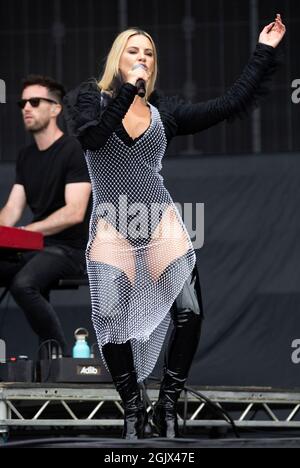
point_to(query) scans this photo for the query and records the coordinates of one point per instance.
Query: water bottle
(81, 348)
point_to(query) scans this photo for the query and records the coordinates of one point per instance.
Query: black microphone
(140, 83)
(141, 87)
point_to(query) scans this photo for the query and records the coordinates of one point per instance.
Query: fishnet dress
(139, 252)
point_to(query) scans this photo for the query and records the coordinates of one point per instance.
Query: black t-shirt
(44, 175)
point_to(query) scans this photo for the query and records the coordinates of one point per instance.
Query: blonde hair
(111, 69)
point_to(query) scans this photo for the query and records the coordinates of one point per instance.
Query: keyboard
(20, 240)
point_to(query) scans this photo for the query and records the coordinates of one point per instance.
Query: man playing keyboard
(52, 179)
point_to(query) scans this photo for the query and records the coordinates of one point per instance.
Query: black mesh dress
(139, 252)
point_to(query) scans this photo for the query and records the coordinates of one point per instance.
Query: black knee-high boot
(187, 314)
(118, 357)
(120, 363)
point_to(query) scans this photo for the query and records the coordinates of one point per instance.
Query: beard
(34, 126)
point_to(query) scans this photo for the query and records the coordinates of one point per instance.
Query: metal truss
(58, 405)
(257, 407)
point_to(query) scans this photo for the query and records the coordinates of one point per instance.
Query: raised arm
(242, 96)
(14, 207)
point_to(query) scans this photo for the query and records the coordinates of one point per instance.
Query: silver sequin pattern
(139, 252)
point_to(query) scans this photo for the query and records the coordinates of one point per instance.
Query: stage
(52, 414)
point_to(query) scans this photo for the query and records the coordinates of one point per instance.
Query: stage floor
(158, 445)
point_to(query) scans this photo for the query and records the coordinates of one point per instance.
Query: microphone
(140, 83)
(141, 87)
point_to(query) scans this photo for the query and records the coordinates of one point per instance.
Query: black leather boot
(187, 314)
(165, 410)
(135, 414)
(120, 363)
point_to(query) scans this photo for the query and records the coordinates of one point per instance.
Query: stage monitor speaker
(81, 370)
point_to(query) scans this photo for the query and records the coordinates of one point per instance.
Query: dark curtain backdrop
(249, 268)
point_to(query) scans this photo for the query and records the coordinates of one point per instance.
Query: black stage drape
(249, 266)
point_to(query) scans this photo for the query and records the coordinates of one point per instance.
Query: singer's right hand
(138, 71)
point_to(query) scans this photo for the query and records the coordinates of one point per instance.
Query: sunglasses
(34, 102)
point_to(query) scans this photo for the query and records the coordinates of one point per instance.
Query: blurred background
(247, 173)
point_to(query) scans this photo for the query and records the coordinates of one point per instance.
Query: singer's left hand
(273, 33)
